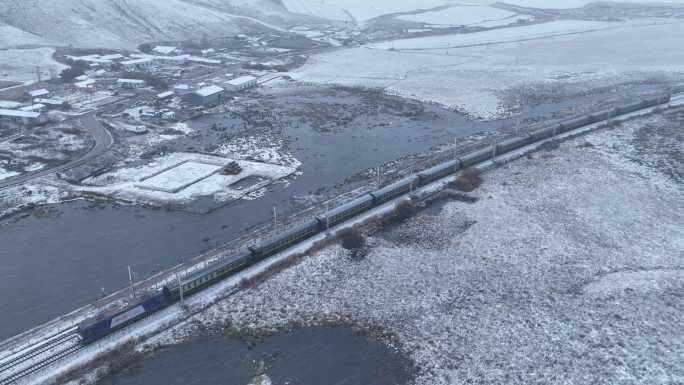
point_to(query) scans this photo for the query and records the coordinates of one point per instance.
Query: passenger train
(92, 330)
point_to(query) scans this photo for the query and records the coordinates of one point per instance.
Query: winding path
(103, 141)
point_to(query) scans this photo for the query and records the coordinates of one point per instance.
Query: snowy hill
(127, 23)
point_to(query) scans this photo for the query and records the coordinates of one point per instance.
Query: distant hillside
(127, 23)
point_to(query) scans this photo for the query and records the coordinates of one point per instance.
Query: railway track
(17, 365)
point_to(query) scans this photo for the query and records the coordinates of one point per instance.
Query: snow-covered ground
(362, 11)
(466, 16)
(567, 269)
(568, 4)
(475, 80)
(124, 25)
(21, 64)
(4, 174)
(12, 37)
(499, 36)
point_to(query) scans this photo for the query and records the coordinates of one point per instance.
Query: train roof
(242, 253)
(288, 233)
(345, 207)
(395, 185)
(441, 166)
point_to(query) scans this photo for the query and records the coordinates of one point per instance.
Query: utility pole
(130, 279)
(410, 183)
(180, 287)
(378, 176)
(327, 217)
(275, 218)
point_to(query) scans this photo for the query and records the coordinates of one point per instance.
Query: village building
(23, 117)
(206, 96)
(42, 93)
(137, 64)
(115, 56)
(88, 83)
(10, 105)
(131, 83)
(240, 84)
(165, 95)
(182, 89)
(39, 107)
(165, 50)
(50, 103)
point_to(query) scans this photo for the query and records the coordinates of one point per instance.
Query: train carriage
(283, 240)
(439, 171)
(214, 273)
(395, 189)
(477, 157)
(511, 144)
(346, 211)
(573, 124)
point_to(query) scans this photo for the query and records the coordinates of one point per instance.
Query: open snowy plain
(487, 67)
(566, 270)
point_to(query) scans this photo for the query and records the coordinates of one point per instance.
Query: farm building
(165, 49)
(39, 107)
(131, 83)
(24, 117)
(9, 105)
(88, 83)
(42, 93)
(137, 64)
(207, 96)
(51, 103)
(241, 83)
(182, 89)
(165, 95)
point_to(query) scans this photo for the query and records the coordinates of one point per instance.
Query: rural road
(103, 141)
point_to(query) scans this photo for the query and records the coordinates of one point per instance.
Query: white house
(241, 83)
(39, 107)
(137, 64)
(88, 83)
(210, 95)
(42, 93)
(131, 83)
(164, 49)
(9, 105)
(182, 89)
(50, 103)
(25, 117)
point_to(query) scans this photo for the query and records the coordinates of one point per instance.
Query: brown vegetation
(468, 180)
(351, 239)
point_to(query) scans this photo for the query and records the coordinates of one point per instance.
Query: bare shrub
(468, 180)
(404, 210)
(550, 145)
(351, 239)
(232, 168)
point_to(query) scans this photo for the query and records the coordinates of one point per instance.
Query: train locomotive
(92, 330)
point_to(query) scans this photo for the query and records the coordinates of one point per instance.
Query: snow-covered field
(4, 174)
(476, 80)
(466, 16)
(20, 64)
(361, 11)
(12, 37)
(499, 36)
(546, 279)
(124, 25)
